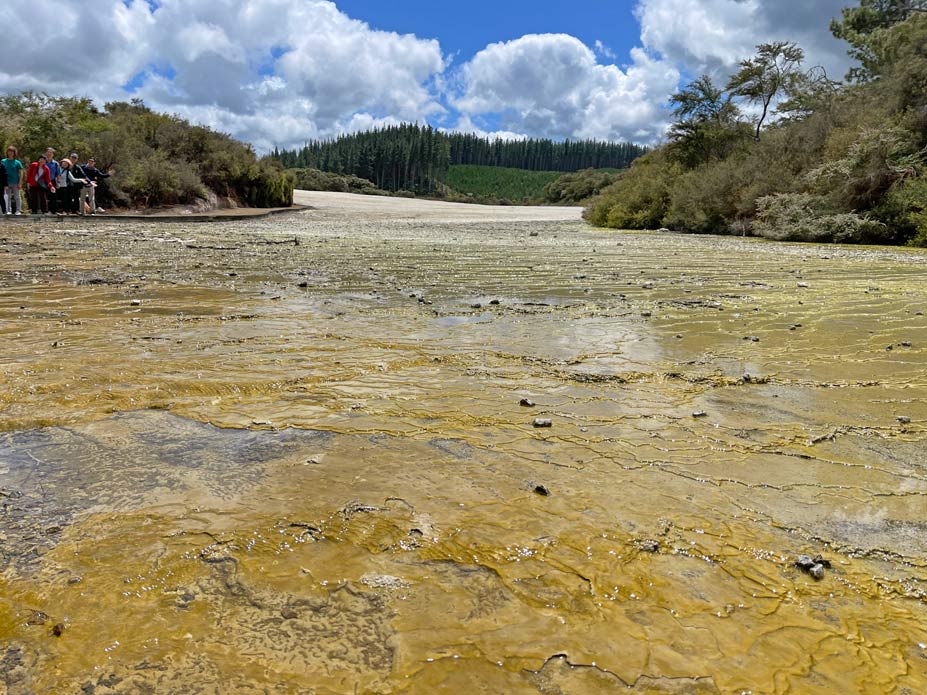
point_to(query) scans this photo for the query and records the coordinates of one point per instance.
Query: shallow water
(234, 463)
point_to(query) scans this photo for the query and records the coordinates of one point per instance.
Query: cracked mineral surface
(291, 456)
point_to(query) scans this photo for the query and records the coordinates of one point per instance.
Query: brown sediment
(256, 467)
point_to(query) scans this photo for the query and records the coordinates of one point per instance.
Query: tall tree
(707, 123)
(773, 72)
(857, 26)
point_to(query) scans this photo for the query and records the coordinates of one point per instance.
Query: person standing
(39, 182)
(54, 171)
(94, 175)
(81, 185)
(65, 184)
(12, 181)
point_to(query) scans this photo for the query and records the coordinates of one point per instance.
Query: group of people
(55, 188)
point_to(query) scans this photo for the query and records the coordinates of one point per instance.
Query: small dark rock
(646, 314)
(533, 234)
(542, 490)
(817, 571)
(699, 413)
(648, 545)
(495, 302)
(288, 613)
(905, 343)
(543, 422)
(526, 403)
(889, 348)
(304, 284)
(74, 580)
(58, 629)
(476, 305)
(903, 419)
(805, 562)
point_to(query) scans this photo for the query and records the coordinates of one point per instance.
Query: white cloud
(714, 35)
(552, 85)
(604, 51)
(267, 71)
(278, 72)
(465, 124)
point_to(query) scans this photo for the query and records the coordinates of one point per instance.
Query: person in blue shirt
(54, 170)
(12, 181)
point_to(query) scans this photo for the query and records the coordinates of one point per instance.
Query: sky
(277, 73)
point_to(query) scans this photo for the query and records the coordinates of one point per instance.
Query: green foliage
(707, 126)
(315, 180)
(864, 26)
(773, 71)
(578, 187)
(640, 197)
(906, 207)
(497, 184)
(157, 159)
(803, 217)
(845, 163)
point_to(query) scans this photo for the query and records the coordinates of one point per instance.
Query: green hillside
(499, 184)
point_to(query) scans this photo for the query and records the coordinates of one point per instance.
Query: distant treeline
(542, 155)
(417, 158)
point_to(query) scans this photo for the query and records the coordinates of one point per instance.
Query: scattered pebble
(803, 284)
(648, 545)
(542, 490)
(526, 403)
(495, 302)
(646, 314)
(288, 613)
(543, 422)
(699, 413)
(814, 566)
(136, 302)
(903, 419)
(58, 629)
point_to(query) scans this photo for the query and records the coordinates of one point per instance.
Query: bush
(640, 198)
(316, 180)
(799, 217)
(576, 188)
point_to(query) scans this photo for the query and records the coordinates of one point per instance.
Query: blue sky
(465, 28)
(280, 72)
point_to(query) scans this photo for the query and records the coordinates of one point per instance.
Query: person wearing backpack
(12, 181)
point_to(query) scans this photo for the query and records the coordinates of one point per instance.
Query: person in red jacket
(38, 178)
